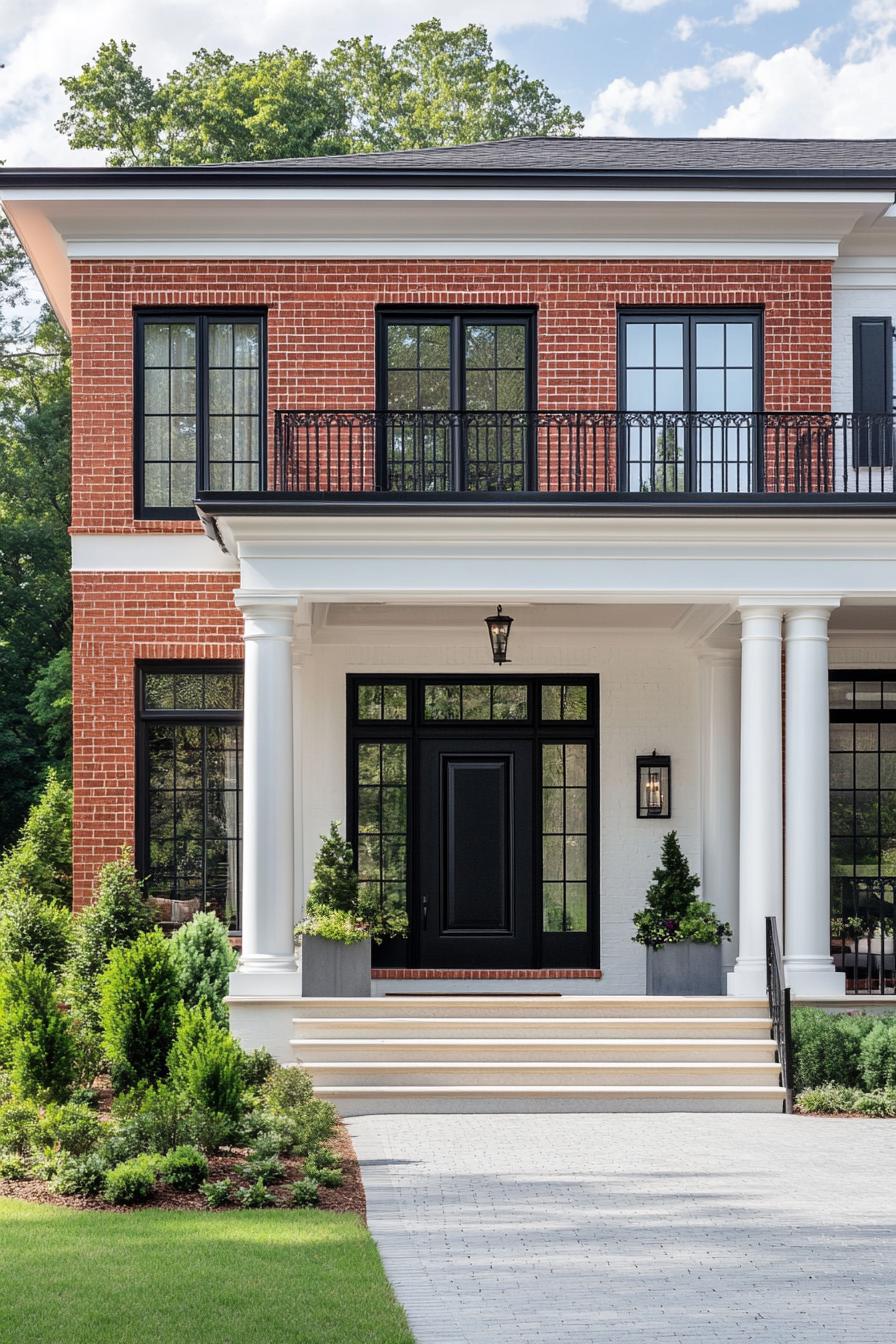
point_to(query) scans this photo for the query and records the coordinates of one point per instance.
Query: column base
(747, 980)
(265, 981)
(814, 978)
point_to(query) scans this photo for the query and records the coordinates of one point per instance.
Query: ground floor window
(863, 829)
(473, 806)
(189, 788)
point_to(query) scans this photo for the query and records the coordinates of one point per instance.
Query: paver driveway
(635, 1227)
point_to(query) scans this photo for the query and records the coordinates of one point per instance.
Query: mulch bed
(348, 1198)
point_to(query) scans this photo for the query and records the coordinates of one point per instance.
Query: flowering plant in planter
(673, 913)
(336, 909)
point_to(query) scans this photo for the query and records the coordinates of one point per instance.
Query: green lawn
(157, 1277)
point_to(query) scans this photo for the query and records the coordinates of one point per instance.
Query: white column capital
(807, 622)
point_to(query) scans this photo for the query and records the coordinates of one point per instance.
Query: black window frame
(456, 316)
(144, 717)
(202, 316)
(689, 315)
(551, 949)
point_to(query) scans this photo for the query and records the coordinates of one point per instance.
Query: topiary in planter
(673, 913)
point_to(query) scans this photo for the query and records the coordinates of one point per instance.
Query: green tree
(115, 917)
(433, 87)
(440, 87)
(35, 1042)
(41, 858)
(139, 994)
(35, 596)
(204, 959)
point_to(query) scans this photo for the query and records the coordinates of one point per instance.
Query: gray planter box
(684, 968)
(334, 970)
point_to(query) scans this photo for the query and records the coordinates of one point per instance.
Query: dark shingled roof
(530, 161)
(604, 154)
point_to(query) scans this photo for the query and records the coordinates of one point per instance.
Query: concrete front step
(312, 1052)
(509, 1100)
(543, 1006)
(540, 1073)
(528, 1028)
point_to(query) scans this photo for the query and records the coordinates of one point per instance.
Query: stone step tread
(536, 1042)
(558, 1089)
(586, 1000)
(429, 1019)
(383, 1066)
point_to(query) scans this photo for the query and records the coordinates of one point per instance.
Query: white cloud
(685, 28)
(617, 109)
(638, 6)
(46, 39)
(751, 10)
(796, 93)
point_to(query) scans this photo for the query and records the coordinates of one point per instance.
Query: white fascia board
(149, 553)
(46, 250)
(565, 559)
(297, 248)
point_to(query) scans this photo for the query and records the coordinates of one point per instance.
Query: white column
(807, 846)
(761, 794)
(267, 964)
(720, 786)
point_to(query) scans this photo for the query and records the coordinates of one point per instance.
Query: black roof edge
(264, 175)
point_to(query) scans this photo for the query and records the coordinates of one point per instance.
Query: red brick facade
(321, 354)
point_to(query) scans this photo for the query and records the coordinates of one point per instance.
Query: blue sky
(639, 67)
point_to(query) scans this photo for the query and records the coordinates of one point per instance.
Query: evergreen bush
(673, 911)
(313, 1125)
(827, 1047)
(71, 1128)
(41, 858)
(204, 959)
(255, 1196)
(131, 1182)
(19, 1126)
(304, 1194)
(185, 1168)
(139, 993)
(878, 1055)
(29, 924)
(118, 914)
(215, 1193)
(80, 1175)
(258, 1065)
(286, 1089)
(35, 1041)
(207, 1064)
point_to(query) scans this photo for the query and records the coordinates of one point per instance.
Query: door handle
(425, 910)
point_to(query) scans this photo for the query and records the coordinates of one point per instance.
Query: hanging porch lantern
(654, 786)
(499, 633)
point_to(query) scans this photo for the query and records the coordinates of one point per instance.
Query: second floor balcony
(700, 460)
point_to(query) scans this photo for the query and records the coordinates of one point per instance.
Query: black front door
(476, 827)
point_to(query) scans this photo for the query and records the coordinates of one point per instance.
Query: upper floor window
(456, 387)
(199, 406)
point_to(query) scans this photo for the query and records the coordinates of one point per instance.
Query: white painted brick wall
(857, 293)
(648, 699)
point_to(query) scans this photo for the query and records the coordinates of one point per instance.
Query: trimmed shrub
(304, 1194)
(834, 1099)
(255, 1196)
(13, 1167)
(878, 1054)
(211, 1129)
(313, 1125)
(215, 1193)
(325, 1157)
(19, 1125)
(155, 1119)
(30, 924)
(41, 858)
(258, 1065)
(131, 1182)
(204, 959)
(286, 1090)
(138, 1008)
(206, 1063)
(267, 1144)
(35, 1041)
(87, 1044)
(80, 1175)
(331, 1177)
(118, 914)
(185, 1168)
(72, 1128)
(268, 1170)
(274, 1128)
(827, 1047)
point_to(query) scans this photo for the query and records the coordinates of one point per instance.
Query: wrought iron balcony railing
(637, 454)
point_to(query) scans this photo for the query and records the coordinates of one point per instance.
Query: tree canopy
(433, 87)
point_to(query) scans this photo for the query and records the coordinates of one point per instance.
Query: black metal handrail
(779, 1008)
(640, 454)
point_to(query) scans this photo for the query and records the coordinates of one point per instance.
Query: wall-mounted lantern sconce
(654, 786)
(499, 633)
